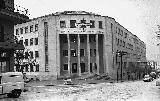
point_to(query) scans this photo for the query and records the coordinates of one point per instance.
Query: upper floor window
(73, 38)
(26, 42)
(17, 31)
(73, 53)
(92, 24)
(21, 30)
(72, 23)
(31, 41)
(82, 52)
(65, 52)
(26, 29)
(36, 41)
(83, 22)
(36, 54)
(31, 28)
(62, 24)
(36, 27)
(31, 54)
(100, 24)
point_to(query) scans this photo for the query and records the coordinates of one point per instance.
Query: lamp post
(120, 54)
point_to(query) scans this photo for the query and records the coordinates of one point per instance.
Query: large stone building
(72, 43)
(8, 17)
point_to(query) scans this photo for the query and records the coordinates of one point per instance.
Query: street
(122, 91)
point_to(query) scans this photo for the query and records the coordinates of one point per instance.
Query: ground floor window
(65, 67)
(37, 68)
(82, 67)
(74, 67)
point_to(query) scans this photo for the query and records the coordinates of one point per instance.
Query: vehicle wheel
(16, 93)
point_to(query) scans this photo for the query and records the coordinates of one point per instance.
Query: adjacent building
(76, 43)
(8, 17)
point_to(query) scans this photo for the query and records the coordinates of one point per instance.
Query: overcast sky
(141, 17)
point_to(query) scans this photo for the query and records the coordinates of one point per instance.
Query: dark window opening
(94, 52)
(31, 54)
(31, 28)
(91, 69)
(31, 41)
(82, 38)
(100, 24)
(21, 30)
(26, 55)
(90, 52)
(65, 52)
(65, 66)
(64, 39)
(36, 41)
(36, 54)
(72, 23)
(17, 31)
(31, 68)
(92, 24)
(26, 42)
(36, 27)
(62, 24)
(82, 52)
(73, 53)
(26, 29)
(83, 22)
(74, 67)
(82, 67)
(37, 68)
(73, 38)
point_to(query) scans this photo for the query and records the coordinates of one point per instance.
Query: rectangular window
(21, 42)
(36, 41)
(36, 54)
(65, 52)
(26, 55)
(31, 41)
(21, 30)
(100, 24)
(65, 66)
(73, 53)
(82, 52)
(62, 24)
(73, 38)
(31, 28)
(31, 68)
(36, 27)
(94, 52)
(17, 31)
(92, 24)
(83, 22)
(2, 34)
(26, 29)
(26, 42)
(82, 38)
(37, 68)
(72, 23)
(90, 52)
(64, 38)
(31, 54)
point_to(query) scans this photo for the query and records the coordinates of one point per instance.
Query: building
(8, 17)
(78, 43)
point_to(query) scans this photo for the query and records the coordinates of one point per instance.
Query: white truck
(11, 83)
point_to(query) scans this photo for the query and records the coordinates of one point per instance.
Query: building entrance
(74, 67)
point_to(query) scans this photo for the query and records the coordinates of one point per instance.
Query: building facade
(8, 17)
(70, 43)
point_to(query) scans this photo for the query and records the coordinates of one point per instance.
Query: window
(31, 41)
(83, 21)
(26, 29)
(36, 41)
(21, 42)
(82, 67)
(21, 30)
(65, 66)
(17, 31)
(36, 27)
(31, 68)
(82, 38)
(125, 35)
(100, 24)
(82, 52)
(92, 24)
(26, 42)
(94, 52)
(73, 53)
(90, 52)
(64, 39)
(65, 52)
(31, 54)
(62, 24)
(26, 55)
(73, 38)
(37, 68)
(36, 54)
(31, 28)
(72, 23)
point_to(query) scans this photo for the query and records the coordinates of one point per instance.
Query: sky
(140, 17)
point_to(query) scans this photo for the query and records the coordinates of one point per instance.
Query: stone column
(97, 54)
(88, 53)
(69, 55)
(79, 67)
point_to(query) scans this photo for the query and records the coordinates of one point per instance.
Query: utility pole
(120, 54)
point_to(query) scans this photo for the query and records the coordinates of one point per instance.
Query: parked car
(147, 78)
(11, 83)
(158, 82)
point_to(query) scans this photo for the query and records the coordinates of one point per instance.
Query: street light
(120, 54)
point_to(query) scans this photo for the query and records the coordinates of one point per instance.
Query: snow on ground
(88, 92)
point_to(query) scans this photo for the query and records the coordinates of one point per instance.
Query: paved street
(125, 91)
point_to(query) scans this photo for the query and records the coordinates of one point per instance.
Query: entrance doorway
(74, 67)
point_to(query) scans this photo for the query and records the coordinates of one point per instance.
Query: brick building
(71, 43)
(8, 17)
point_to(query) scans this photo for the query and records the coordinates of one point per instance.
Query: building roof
(75, 13)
